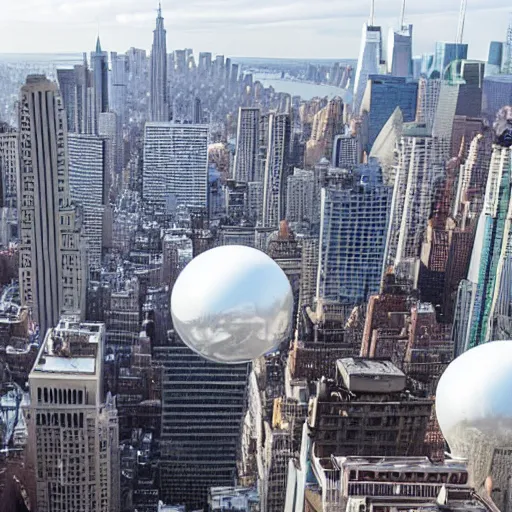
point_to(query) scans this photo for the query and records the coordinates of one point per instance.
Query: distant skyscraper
(276, 168)
(72, 425)
(119, 84)
(51, 253)
(9, 169)
(413, 194)
(86, 181)
(496, 58)
(246, 166)
(383, 95)
(445, 54)
(507, 65)
(300, 197)
(497, 92)
(354, 223)
(370, 56)
(99, 61)
(159, 110)
(176, 164)
(400, 49)
(68, 89)
(346, 151)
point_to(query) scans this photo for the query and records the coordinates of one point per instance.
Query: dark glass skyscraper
(159, 107)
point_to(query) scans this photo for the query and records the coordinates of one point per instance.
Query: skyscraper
(159, 108)
(99, 61)
(276, 168)
(86, 181)
(413, 194)
(354, 223)
(370, 56)
(246, 167)
(51, 252)
(445, 54)
(176, 165)
(72, 424)
(9, 169)
(202, 409)
(400, 49)
(346, 151)
(491, 262)
(382, 96)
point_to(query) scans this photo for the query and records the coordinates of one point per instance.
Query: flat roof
(359, 366)
(59, 364)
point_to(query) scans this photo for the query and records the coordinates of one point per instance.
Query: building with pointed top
(99, 60)
(159, 102)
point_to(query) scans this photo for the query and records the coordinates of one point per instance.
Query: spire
(402, 16)
(372, 13)
(462, 20)
(98, 45)
(159, 9)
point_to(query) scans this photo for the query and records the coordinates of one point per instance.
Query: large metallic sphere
(474, 402)
(232, 304)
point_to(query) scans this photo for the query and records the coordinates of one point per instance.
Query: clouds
(287, 28)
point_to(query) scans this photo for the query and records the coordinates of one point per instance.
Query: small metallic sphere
(474, 401)
(232, 304)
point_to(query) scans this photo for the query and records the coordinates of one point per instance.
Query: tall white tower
(51, 252)
(369, 60)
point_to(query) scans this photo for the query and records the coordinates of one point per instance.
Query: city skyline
(224, 25)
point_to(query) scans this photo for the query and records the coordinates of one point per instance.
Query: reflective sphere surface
(232, 304)
(474, 401)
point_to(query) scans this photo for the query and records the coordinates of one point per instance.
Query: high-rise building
(445, 54)
(507, 65)
(277, 138)
(99, 61)
(202, 409)
(119, 85)
(496, 58)
(354, 223)
(51, 252)
(68, 88)
(383, 94)
(109, 127)
(86, 183)
(176, 165)
(9, 169)
(370, 56)
(491, 264)
(72, 424)
(400, 49)
(346, 151)
(247, 164)
(300, 197)
(159, 108)
(413, 194)
(497, 93)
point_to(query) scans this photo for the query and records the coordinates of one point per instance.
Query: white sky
(249, 28)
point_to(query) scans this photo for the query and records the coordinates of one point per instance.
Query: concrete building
(9, 169)
(277, 142)
(52, 255)
(86, 182)
(354, 224)
(159, 101)
(300, 197)
(346, 151)
(72, 423)
(247, 164)
(412, 195)
(176, 165)
(254, 200)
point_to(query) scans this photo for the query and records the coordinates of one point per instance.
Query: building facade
(159, 106)
(246, 167)
(72, 424)
(176, 165)
(51, 249)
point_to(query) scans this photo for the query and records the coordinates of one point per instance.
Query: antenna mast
(372, 13)
(462, 20)
(402, 16)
